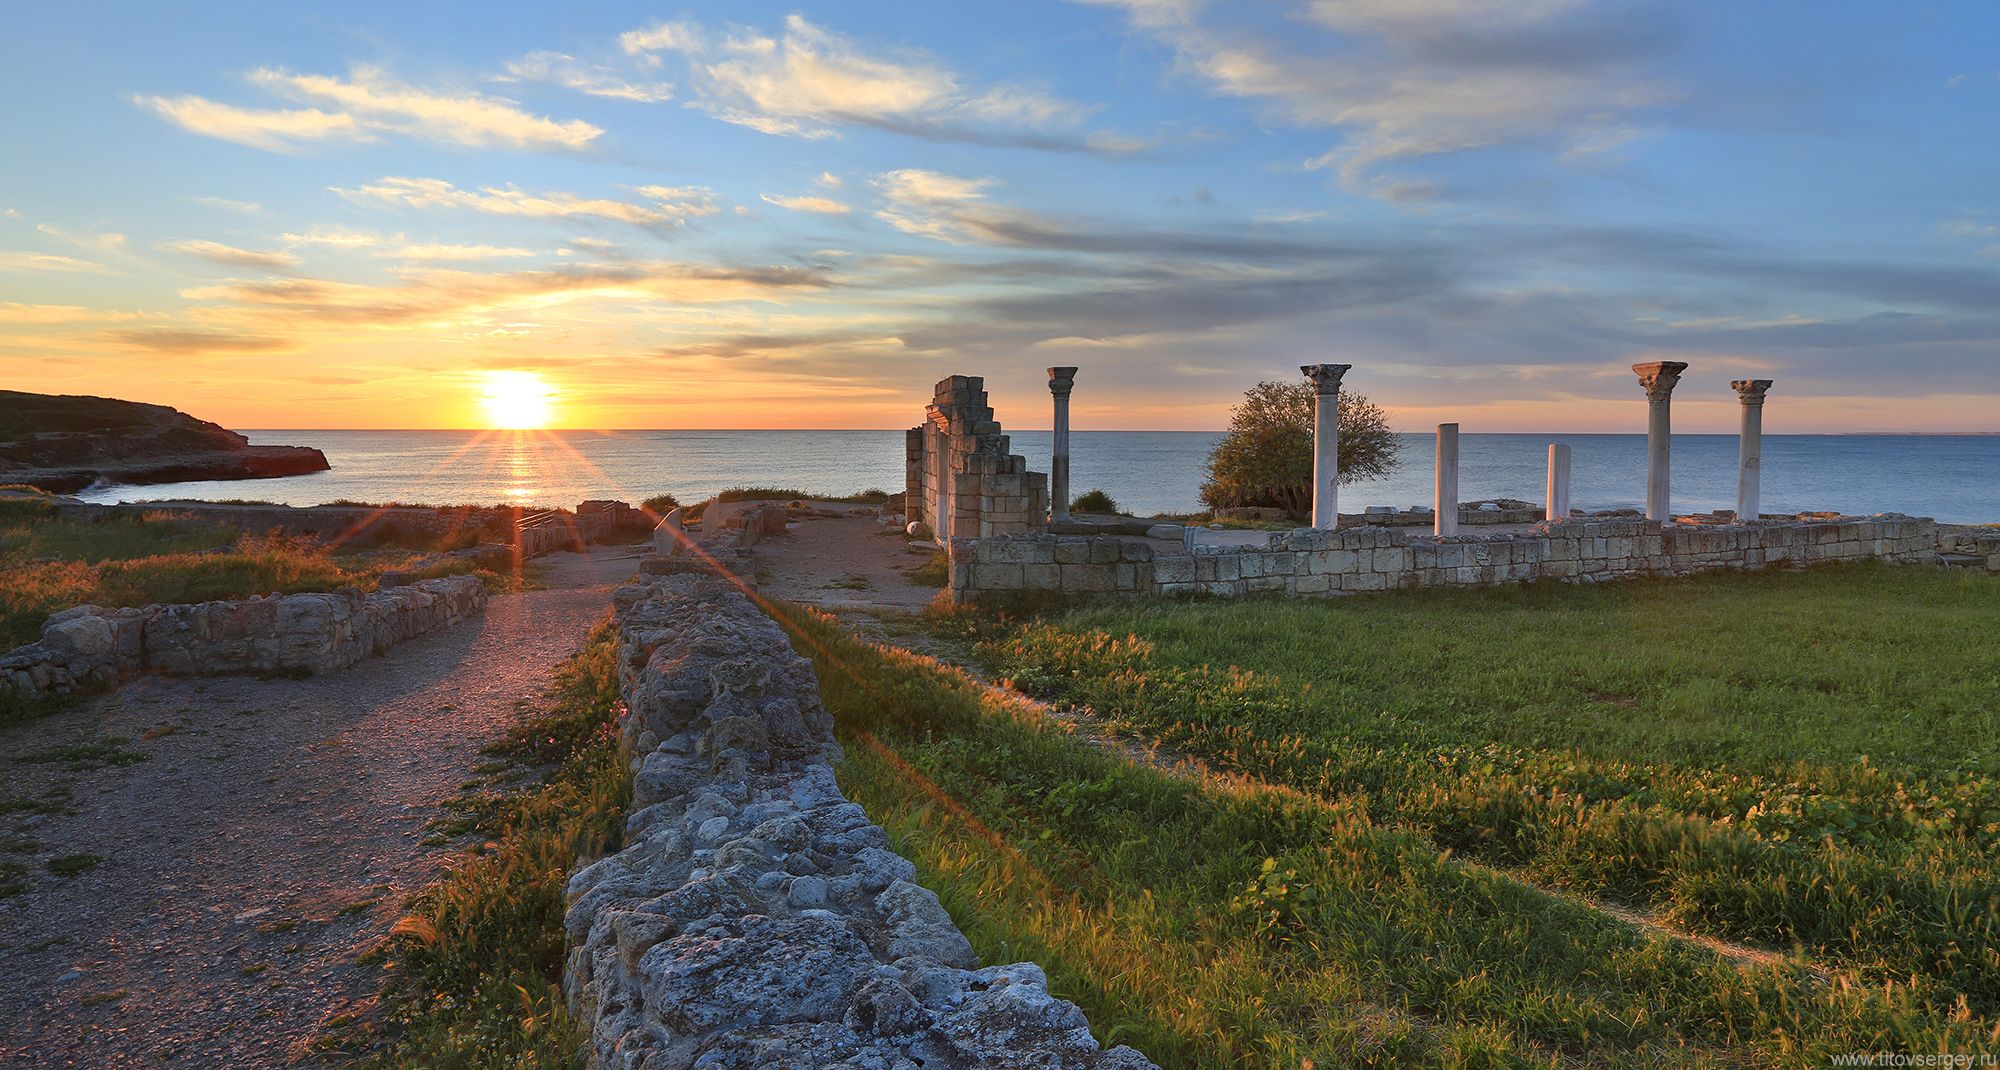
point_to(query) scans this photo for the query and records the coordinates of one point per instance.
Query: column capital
(1325, 377)
(1659, 377)
(1751, 390)
(1061, 380)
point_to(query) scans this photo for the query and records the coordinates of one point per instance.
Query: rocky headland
(63, 443)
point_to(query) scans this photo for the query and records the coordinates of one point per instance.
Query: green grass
(1216, 922)
(48, 564)
(933, 571)
(871, 496)
(475, 968)
(1791, 760)
(74, 865)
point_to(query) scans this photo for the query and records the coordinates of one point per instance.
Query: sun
(515, 401)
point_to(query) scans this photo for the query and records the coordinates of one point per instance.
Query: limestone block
(1042, 577)
(1255, 584)
(1125, 576)
(1229, 567)
(1086, 579)
(1391, 559)
(996, 577)
(1174, 569)
(1072, 551)
(1103, 549)
(1311, 583)
(1363, 581)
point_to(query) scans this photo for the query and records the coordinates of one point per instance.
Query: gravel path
(252, 837)
(846, 563)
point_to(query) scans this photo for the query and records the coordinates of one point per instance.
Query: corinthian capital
(1751, 390)
(1325, 377)
(1659, 378)
(1061, 380)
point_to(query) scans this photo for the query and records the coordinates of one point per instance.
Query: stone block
(1174, 569)
(1086, 579)
(1103, 550)
(1072, 551)
(1312, 583)
(996, 577)
(1042, 577)
(1363, 581)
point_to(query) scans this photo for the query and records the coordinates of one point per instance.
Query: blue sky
(776, 215)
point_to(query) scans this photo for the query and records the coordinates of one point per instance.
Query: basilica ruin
(1008, 532)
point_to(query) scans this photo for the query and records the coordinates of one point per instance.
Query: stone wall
(967, 482)
(309, 633)
(756, 919)
(1309, 562)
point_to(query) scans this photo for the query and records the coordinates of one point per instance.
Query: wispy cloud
(594, 79)
(441, 251)
(17, 260)
(667, 204)
(231, 255)
(245, 207)
(13, 312)
(1405, 81)
(826, 205)
(367, 103)
(194, 342)
(808, 81)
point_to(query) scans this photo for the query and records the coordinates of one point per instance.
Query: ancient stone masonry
(1317, 562)
(961, 472)
(311, 633)
(755, 919)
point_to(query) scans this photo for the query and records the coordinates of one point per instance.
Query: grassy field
(473, 974)
(49, 564)
(1353, 881)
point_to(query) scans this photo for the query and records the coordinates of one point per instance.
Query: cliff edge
(63, 443)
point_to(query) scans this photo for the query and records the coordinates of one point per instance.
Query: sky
(753, 215)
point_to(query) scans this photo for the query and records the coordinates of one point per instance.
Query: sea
(1953, 478)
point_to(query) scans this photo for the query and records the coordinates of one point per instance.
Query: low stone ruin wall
(293, 633)
(756, 920)
(1308, 562)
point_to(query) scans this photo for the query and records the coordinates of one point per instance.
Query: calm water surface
(1950, 477)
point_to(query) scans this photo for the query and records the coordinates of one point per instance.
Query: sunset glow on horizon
(757, 216)
(515, 401)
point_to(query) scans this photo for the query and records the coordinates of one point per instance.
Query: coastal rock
(63, 443)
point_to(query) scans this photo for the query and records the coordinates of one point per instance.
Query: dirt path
(846, 563)
(251, 837)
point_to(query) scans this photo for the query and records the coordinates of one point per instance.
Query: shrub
(1093, 501)
(1267, 457)
(660, 504)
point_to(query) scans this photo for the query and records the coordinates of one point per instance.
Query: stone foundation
(755, 919)
(1309, 562)
(304, 633)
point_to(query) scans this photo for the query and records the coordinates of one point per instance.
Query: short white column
(1326, 442)
(1444, 500)
(1750, 448)
(1061, 381)
(1558, 491)
(1658, 378)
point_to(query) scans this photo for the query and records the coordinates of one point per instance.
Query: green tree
(1267, 457)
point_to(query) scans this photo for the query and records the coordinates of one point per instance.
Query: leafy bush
(1267, 457)
(660, 504)
(1093, 501)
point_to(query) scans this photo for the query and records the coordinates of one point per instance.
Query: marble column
(1658, 379)
(1444, 499)
(1750, 448)
(1061, 381)
(1326, 442)
(1558, 499)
